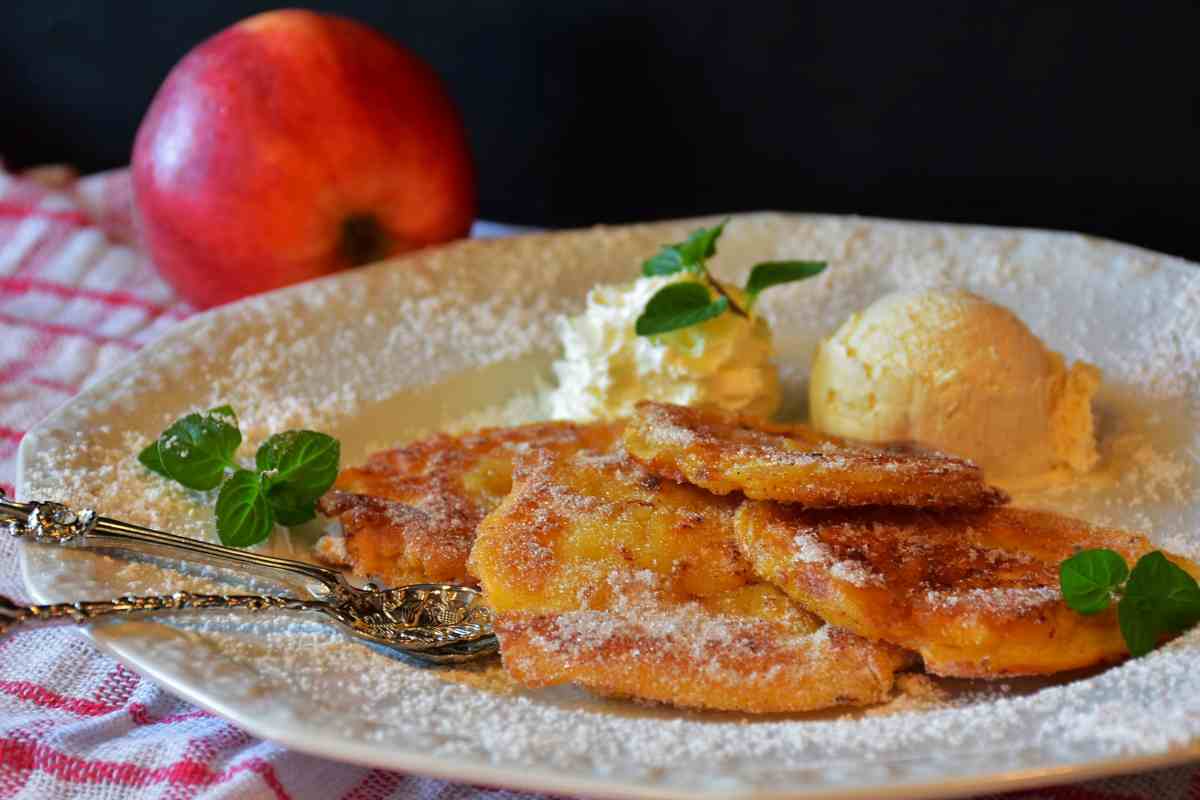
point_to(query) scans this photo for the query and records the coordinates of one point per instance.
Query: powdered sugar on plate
(460, 337)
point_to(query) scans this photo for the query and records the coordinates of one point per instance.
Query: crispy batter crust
(725, 452)
(573, 519)
(605, 575)
(974, 592)
(664, 656)
(410, 514)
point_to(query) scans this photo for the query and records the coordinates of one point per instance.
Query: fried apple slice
(409, 515)
(724, 453)
(976, 593)
(683, 654)
(603, 574)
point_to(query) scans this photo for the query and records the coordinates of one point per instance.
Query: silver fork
(433, 622)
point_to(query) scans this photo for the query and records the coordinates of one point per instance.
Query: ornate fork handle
(13, 615)
(54, 523)
(439, 623)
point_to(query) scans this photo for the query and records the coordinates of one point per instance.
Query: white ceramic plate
(465, 333)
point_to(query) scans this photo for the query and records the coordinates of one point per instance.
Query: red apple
(291, 145)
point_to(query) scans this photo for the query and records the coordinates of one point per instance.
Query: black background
(1081, 117)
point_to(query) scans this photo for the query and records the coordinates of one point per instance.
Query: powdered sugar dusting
(353, 356)
(811, 550)
(1000, 599)
(638, 613)
(1170, 350)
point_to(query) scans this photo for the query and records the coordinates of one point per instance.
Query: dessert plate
(463, 335)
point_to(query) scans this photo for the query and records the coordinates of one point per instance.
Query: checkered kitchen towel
(76, 297)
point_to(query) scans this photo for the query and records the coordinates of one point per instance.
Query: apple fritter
(725, 452)
(976, 593)
(603, 574)
(409, 515)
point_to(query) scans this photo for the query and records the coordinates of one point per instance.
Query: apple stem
(363, 239)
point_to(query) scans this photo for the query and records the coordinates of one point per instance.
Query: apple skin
(292, 145)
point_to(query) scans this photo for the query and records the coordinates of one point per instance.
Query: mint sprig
(292, 470)
(774, 273)
(244, 516)
(667, 261)
(1160, 598)
(1157, 598)
(688, 255)
(1090, 579)
(197, 449)
(297, 468)
(681, 305)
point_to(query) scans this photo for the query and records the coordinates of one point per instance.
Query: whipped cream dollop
(606, 368)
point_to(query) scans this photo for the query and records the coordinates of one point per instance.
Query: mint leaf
(1164, 594)
(295, 469)
(298, 467)
(1139, 627)
(1181, 601)
(679, 305)
(290, 507)
(667, 261)
(244, 517)
(773, 273)
(197, 449)
(689, 254)
(1089, 578)
(700, 245)
(1160, 598)
(307, 461)
(151, 460)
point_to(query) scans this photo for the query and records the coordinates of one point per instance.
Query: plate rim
(537, 779)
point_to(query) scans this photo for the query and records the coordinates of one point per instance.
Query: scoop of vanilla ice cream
(606, 368)
(953, 371)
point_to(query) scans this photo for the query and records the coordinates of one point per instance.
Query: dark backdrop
(1014, 113)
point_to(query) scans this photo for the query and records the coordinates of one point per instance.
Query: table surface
(76, 298)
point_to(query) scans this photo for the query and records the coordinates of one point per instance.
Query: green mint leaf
(1138, 625)
(297, 468)
(679, 305)
(1167, 593)
(306, 462)
(290, 507)
(151, 460)
(773, 273)
(1089, 578)
(197, 449)
(689, 254)
(244, 517)
(667, 261)
(1181, 604)
(700, 245)
(1160, 598)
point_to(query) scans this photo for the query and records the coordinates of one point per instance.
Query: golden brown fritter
(573, 519)
(724, 453)
(603, 574)
(976, 593)
(409, 515)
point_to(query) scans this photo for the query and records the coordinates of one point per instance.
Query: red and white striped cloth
(76, 297)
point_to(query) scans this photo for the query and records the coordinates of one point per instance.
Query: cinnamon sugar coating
(410, 514)
(603, 574)
(976, 593)
(725, 452)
